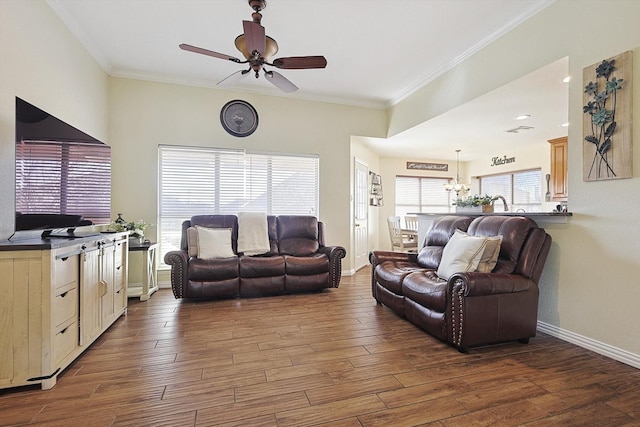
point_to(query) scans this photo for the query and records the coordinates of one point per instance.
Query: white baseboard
(348, 272)
(615, 353)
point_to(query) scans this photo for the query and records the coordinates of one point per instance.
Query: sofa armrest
(475, 284)
(178, 260)
(335, 255)
(377, 257)
(490, 307)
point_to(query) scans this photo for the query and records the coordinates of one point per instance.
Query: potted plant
(475, 203)
(136, 228)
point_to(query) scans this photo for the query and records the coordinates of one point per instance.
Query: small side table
(149, 272)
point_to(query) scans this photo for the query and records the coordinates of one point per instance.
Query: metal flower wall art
(607, 119)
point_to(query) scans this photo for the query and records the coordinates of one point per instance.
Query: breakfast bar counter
(541, 218)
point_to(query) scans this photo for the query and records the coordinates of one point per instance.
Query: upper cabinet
(559, 151)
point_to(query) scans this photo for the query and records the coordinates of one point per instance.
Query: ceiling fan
(257, 48)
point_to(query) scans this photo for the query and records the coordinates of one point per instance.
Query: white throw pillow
(214, 243)
(461, 254)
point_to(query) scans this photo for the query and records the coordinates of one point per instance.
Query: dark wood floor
(334, 358)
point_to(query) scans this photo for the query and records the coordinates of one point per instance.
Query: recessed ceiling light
(523, 116)
(565, 125)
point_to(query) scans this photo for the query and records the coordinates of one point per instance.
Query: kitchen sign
(499, 161)
(442, 167)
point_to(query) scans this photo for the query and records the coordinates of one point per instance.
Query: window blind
(421, 194)
(206, 181)
(522, 190)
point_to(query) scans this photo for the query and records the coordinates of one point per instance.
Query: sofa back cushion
(297, 235)
(514, 231)
(437, 237)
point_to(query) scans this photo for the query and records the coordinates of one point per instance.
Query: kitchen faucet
(504, 202)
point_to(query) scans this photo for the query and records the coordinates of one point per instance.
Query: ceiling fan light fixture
(271, 49)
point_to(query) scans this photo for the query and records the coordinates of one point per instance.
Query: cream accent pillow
(214, 243)
(461, 254)
(489, 257)
(192, 241)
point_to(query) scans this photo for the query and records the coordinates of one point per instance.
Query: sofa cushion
(389, 274)
(213, 270)
(251, 267)
(214, 243)
(297, 235)
(305, 266)
(427, 289)
(461, 254)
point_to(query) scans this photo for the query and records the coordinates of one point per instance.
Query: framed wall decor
(606, 123)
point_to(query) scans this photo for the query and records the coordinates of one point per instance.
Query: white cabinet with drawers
(57, 298)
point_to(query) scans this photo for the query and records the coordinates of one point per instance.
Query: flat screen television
(62, 176)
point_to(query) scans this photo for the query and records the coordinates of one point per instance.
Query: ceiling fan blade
(300, 62)
(233, 78)
(280, 81)
(255, 37)
(208, 52)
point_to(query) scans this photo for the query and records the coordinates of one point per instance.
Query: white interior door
(361, 212)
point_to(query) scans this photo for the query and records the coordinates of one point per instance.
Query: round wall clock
(239, 118)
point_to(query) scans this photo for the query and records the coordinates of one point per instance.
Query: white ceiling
(378, 52)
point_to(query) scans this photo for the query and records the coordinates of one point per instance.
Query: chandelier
(455, 184)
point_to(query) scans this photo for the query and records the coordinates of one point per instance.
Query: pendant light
(455, 184)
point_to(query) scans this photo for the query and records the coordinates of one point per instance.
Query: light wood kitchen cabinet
(558, 184)
(57, 298)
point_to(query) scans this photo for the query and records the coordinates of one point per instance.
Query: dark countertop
(548, 217)
(527, 214)
(38, 244)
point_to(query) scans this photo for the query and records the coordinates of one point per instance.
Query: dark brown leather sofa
(298, 261)
(472, 308)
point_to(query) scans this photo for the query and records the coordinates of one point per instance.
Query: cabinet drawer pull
(66, 256)
(64, 330)
(64, 294)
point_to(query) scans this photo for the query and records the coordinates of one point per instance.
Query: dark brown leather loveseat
(469, 308)
(297, 261)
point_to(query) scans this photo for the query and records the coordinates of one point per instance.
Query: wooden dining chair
(402, 240)
(411, 223)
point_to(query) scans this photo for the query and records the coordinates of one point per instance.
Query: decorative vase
(475, 209)
(135, 240)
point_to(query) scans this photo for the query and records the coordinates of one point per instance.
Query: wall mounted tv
(63, 175)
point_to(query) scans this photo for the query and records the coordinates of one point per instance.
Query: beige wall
(42, 63)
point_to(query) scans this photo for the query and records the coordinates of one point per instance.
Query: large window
(206, 181)
(522, 190)
(421, 194)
